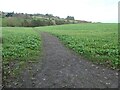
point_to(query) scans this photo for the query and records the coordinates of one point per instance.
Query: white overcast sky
(90, 10)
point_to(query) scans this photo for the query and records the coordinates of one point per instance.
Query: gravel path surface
(61, 68)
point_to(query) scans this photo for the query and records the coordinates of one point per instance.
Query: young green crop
(97, 42)
(20, 46)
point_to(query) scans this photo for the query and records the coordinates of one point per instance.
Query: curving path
(62, 68)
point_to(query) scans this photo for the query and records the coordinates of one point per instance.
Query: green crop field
(20, 46)
(97, 42)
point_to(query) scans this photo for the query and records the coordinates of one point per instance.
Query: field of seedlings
(20, 46)
(97, 42)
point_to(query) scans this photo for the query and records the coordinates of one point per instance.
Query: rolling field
(97, 42)
(20, 46)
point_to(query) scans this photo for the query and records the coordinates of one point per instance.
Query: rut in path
(61, 68)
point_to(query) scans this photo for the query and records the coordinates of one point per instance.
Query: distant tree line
(12, 19)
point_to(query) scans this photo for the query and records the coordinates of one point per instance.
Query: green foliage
(21, 22)
(12, 19)
(20, 46)
(70, 18)
(98, 42)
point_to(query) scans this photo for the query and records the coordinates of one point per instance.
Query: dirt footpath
(62, 68)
